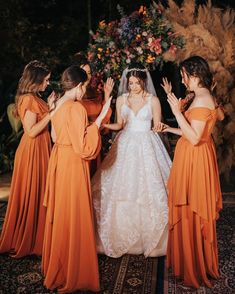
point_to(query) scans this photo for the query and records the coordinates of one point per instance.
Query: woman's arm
(53, 134)
(30, 124)
(156, 109)
(103, 112)
(120, 123)
(192, 132)
(108, 88)
(33, 128)
(164, 128)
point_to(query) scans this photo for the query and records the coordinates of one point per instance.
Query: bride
(129, 189)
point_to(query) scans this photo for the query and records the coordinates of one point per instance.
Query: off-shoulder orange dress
(93, 108)
(69, 260)
(23, 228)
(194, 203)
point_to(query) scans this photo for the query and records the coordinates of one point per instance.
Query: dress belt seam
(63, 145)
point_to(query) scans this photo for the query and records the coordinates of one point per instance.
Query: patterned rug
(128, 274)
(226, 242)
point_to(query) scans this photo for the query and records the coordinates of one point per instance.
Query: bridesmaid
(69, 260)
(194, 188)
(93, 102)
(23, 228)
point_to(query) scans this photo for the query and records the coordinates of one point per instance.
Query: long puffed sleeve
(85, 138)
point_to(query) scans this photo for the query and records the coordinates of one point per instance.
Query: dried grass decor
(209, 31)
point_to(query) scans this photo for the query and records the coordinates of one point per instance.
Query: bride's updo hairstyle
(138, 71)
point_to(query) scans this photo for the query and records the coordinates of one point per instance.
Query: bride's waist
(138, 126)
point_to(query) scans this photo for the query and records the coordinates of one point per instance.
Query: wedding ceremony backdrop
(157, 34)
(113, 34)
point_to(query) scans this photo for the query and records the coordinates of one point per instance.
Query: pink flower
(90, 56)
(173, 48)
(139, 50)
(155, 45)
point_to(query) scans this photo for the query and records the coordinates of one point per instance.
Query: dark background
(53, 31)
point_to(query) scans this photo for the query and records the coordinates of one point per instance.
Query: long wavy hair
(32, 78)
(196, 66)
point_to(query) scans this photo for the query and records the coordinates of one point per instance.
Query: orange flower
(142, 10)
(150, 58)
(102, 24)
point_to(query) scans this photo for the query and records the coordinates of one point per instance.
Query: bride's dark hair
(138, 71)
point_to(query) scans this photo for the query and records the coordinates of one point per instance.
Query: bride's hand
(161, 128)
(166, 86)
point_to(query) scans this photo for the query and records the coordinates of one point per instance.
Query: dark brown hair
(32, 77)
(197, 66)
(138, 71)
(80, 59)
(71, 77)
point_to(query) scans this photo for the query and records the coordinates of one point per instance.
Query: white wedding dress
(129, 189)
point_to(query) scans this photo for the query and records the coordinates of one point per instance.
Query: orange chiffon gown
(93, 108)
(69, 260)
(23, 228)
(194, 203)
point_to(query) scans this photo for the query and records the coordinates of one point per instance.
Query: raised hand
(51, 101)
(80, 91)
(174, 103)
(108, 88)
(166, 85)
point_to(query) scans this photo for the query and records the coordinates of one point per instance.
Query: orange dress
(23, 228)
(69, 260)
(194, 203)
(93, 108)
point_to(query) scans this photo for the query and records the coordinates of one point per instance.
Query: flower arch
(144, 36)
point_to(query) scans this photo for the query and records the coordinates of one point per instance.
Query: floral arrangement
(144, 36)
(210, 32)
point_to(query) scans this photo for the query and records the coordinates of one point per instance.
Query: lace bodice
(140, 121)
